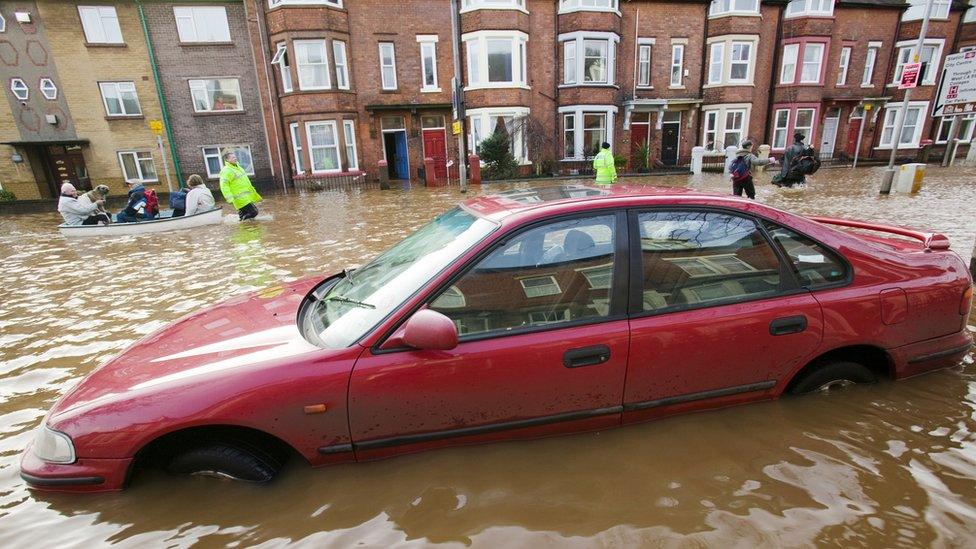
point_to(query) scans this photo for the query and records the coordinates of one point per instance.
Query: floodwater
(890, 465)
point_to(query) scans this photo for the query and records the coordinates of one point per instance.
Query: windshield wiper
(343, 299)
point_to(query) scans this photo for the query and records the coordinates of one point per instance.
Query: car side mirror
(429, 330)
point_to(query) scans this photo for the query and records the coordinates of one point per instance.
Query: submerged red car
(520, 314)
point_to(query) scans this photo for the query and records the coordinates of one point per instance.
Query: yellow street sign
(456, 127)
(156, 126)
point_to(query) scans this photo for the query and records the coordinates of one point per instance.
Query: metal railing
(333, 182)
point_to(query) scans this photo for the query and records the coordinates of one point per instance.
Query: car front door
(716, 317)
(543, 346)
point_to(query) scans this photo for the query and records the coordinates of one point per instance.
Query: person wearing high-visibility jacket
(604, 167)
(237, 189)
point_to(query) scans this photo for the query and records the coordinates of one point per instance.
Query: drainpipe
(701, 77)
(559, 152)
(773, 74)
(159, 93)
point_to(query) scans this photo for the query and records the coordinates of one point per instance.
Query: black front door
(669, 141)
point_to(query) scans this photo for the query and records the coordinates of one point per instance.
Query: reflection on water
(886, 465)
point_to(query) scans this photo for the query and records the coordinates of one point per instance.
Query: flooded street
(890, 465)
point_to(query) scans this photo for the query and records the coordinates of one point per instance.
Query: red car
(520, 314)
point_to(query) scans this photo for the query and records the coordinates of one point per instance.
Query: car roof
(498, 206)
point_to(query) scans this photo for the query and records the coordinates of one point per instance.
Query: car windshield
(364, 297)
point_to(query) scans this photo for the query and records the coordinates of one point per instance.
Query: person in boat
(177, 201)
(75, 212)
(199, 199)
(237, 188)
(135, 209)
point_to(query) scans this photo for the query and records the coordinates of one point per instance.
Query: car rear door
(543, 346)
(717, 317)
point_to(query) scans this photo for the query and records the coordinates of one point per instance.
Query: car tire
(832, 376)
(228, 461)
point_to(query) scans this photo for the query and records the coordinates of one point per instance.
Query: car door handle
(788, 325)
(586, 356)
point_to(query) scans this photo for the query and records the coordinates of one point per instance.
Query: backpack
(808, 162)
(152, 203)
(177, 200)
(739, 169)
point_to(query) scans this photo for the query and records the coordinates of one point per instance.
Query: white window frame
(778, 144)
(570, 6)
(118, 90)
(311, 149)
(569, 62)
(818, 62)
(298, 47)
(386, 85)
(49, 87)
(474, 5)
(917, 133)
(725, 8)
(871, 54)
(284, 69)
(722, 47)
(809, 8)
(478, 127)
(677, 62)
(963, 136)
(136, 156)
(843, 65)
(908, 46)
(813, 122)
(198, 84)
(21, 92)
(108, 25)
(643, 45)
(916, 10)
(196, 15)
(428, 41)
(577, 112)
(220, 157)
(341, 64)
(476, 56)
(328, 3)
(789, 60)
(296, 147)
(3, 23)
(720, 130)
(349, 140)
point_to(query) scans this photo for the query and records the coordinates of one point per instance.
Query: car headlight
(52, 446)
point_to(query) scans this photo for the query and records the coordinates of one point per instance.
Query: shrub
(495, 152)
(7, 196)
(643, 156)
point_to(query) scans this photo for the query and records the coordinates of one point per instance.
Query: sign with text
(957, 90)
(156, 126)
(456, 127)
(910, 75)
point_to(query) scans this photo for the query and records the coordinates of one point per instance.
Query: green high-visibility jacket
(236, 186)
(604, 167)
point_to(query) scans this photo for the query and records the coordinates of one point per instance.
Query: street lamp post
(457, 94)
(889, 174)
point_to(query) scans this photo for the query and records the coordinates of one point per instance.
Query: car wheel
(832, 376)
(227, 461)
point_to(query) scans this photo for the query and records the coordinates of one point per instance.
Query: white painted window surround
(578, 128)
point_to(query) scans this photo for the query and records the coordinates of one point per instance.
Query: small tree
(495, 152)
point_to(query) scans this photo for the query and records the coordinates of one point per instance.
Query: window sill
(206, 44)
(462, 11)
(614, 86)
(905, 147)
(644, 87)
(430, 90)
(802, 85)
(807, 16)
(313, 174)
(124, 117)
(496, 86)
(218, 113)
(729, 85)
(313, 91)
(867, 86)
(307, 5)
(565, 11)
(106, 45)
(677, 87)
(735, 14)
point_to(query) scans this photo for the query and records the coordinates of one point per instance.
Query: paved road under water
(892, 464)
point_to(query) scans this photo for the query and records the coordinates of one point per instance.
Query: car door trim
(376, 443)
(701, 395)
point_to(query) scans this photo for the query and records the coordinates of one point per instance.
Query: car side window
(813, 264)
(691, 258)
(556, 273)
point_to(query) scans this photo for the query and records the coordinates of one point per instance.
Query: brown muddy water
(889, 465)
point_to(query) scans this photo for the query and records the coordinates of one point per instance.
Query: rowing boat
(165, 222)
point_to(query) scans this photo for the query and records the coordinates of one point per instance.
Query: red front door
(435, 146)
(638, 137)
(853, 128)
(543, 349)
(716, 327)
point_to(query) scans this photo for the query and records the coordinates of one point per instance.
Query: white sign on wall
(957, 90)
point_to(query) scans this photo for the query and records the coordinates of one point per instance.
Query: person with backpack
(741, 169)
(237, 188)
(604, 166)
(790, 175)
(177, 201)
(142, 205)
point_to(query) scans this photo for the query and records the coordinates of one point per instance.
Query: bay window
(569, 6)
(730, 60)
(843, 64)
(916, 10)
(323, 146)
(812, 63)
(792, 119)
(802, 62)
(930, 57)
(588, 58)
(806, 8)
(284, 69)
(313, 65)
(341, 64)
(803, 123)
(349, 135)
(911, 131)
(733, 7)
(781, 123)
(296, 147)
(585, 129)
(485, 122)
(965, 133)
(472, 5)
(332, 3)
(496, 59)
(725, 125)
(787, 73)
